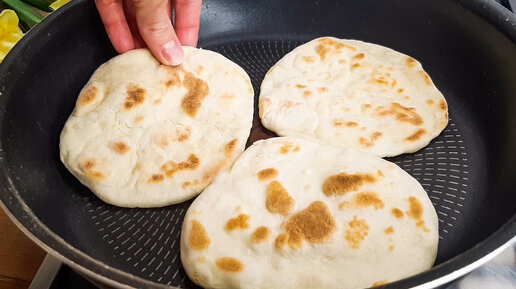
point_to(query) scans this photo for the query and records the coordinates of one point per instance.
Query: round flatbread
(350, 93)
(144, 134)
(292, 213)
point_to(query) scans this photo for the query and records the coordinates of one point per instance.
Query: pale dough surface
(293, 213)
(351, 93)
(144, 134)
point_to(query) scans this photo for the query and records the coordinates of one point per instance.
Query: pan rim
(29, 223)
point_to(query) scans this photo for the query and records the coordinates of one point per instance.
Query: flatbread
(351, 93)
(144, 134)
(293, 213)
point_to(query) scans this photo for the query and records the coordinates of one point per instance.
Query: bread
(351, 93)
(144, 134)
(292, 213)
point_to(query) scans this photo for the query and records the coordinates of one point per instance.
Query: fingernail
(172, 52)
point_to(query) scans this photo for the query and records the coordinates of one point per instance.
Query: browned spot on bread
(307, 93)
(158, 101)
(354, 66)
(135, 96)
(401, 113)
(183, 135)
(342, 183)
(322, 89)
(426, 77)
(241, 222)
(157, 178)
(278, 200)
(351, 124)
(380, 173)
(163, 140)
(389, 230)
(376, 135)
(379, 81)
(322, 50)
(230, 147)
(199, 69)
(358, 230)
(198, 239)
(87, 166)
(186, 184)
(308, 59)
(296, 149)
(391, 247)
(88, 95)
(406, 97)
(343, 61)
(261, 234)
(365, 142)
(173, 73)
(416, 212)
(211, 173)
(300, 86)
(338, 123)
(397, 213)
(359, 56)
(285, 148)
(393, 83)
(197, 90)
(263, 106)
(335, 44)
(430, 102)
(380, 283)
(364, 199)
(416, 135)
(139, 118)
(230, 264)
(442, 105)
(401, 90)
(367, 106)
(411, 62)
(421, 224)
(120, 148)
(415, 208)
(170, 168)
(97, 175)
(315, 224)
(267, 174)
(327, 45)
(281, 241)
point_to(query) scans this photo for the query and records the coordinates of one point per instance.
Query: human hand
(138, 23)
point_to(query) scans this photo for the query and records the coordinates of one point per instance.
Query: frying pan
(469, 171)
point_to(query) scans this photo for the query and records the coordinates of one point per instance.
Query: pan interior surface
(468, 171)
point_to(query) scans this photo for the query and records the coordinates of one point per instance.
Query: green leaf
(28, 16)
(40, 4)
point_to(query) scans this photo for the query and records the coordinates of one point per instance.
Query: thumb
(156, 30)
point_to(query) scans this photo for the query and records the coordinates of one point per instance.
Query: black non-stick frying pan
(469, 171)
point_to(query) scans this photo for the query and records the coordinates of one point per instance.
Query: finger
(156, 29)
(186, 25)
(112, 15)
(130, 14)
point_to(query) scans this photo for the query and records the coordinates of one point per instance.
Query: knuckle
(148, 3)
(156, 28)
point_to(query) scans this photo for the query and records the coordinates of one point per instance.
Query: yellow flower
(58, 4)
(10, 33)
